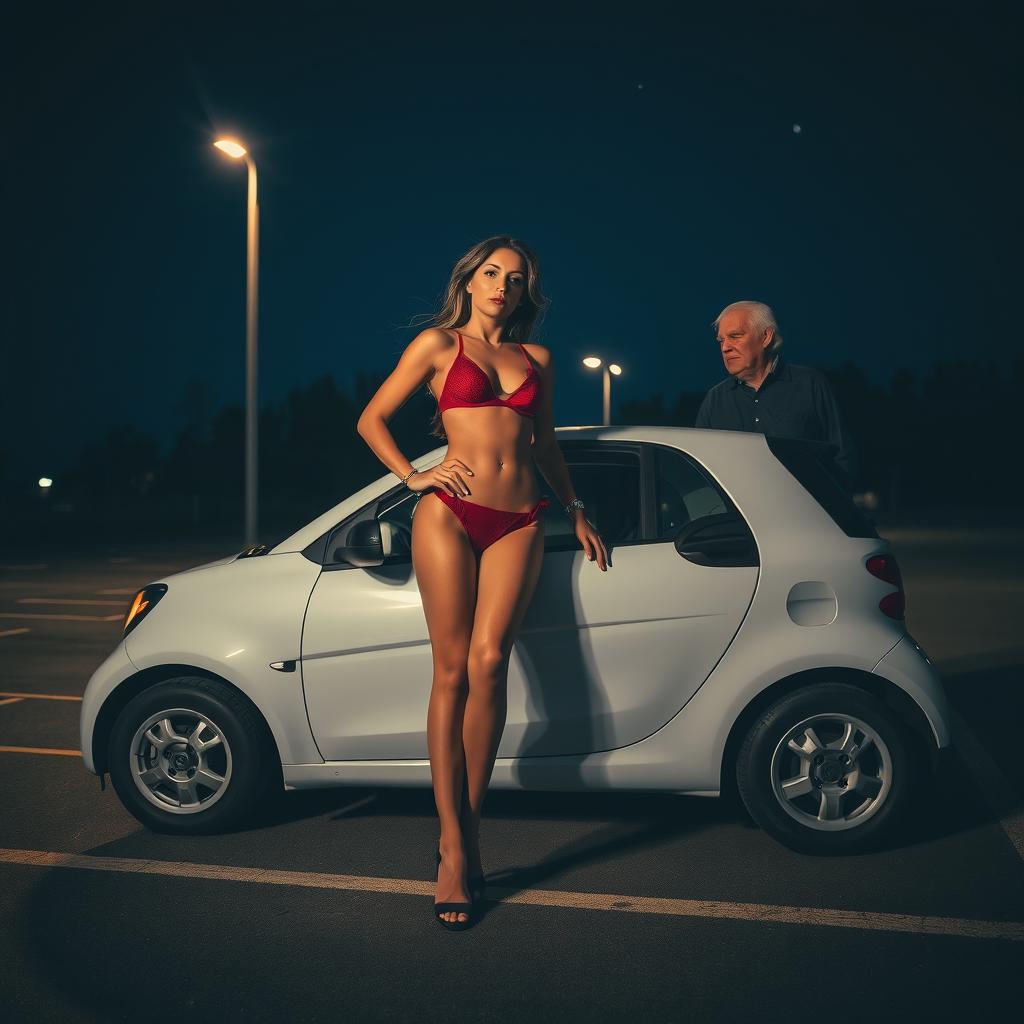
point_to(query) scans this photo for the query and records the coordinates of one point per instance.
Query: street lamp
(238, 152)
(592, 363)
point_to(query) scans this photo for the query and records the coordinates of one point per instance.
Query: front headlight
(142, 604)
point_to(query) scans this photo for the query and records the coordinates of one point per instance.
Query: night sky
(648, 154)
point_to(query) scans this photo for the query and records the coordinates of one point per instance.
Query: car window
(684, 493)
(608, 484)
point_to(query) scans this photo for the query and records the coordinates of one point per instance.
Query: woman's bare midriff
(494, 442)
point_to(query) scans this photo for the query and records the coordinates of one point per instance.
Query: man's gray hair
(761, 319)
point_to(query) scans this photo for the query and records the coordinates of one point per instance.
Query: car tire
(813, 801)
(172, 743)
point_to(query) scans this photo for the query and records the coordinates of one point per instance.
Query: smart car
(748, 639)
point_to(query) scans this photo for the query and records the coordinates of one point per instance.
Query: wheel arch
(145, 679)
(918, 730)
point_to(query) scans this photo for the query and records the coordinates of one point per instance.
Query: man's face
(743, 352)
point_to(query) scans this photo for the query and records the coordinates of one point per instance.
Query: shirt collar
(774, 370)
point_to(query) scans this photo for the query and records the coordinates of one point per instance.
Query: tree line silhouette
(937, 445)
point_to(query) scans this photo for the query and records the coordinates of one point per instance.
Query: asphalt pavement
(605, 907)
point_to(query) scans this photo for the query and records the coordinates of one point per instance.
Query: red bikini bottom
(485, 525)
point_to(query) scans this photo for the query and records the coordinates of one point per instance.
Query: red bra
(467, 385)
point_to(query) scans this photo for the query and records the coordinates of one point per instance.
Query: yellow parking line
(119, 590)
(60, 618)
(40, 750)
(12, 700)
(15, 632)
(958, 927)
(69, 600)
(38, 696)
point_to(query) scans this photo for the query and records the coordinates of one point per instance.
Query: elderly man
(767, 395)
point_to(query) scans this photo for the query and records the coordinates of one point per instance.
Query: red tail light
(886, 568)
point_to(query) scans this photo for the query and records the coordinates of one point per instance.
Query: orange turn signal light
(142, 604)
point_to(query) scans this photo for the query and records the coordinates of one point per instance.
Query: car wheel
(190, 756)
(826, 769)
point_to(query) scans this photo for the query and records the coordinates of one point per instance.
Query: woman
(477, 544)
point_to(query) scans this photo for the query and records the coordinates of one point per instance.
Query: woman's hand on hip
(446, 475)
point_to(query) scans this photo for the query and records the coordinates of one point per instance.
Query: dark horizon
(856, 169)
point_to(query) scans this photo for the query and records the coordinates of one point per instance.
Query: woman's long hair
(458, 303)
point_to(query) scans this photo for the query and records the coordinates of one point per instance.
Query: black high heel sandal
(476, 885)
(458, 908)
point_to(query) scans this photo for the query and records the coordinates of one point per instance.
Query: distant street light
(593, 362)
(237, 151)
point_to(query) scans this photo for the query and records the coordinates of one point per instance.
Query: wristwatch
(572, 506)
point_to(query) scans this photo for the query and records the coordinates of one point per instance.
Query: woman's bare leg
(509, 570)
(445, 569)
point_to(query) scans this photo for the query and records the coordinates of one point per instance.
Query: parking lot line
(12, 700)
(60, 618)
(15, 632)
(70, 600)
(38, 696)
(53, 751)
(969, 928)
(119, 590)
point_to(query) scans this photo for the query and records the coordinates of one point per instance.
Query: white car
(749, 633)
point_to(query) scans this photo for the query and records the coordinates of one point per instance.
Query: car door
(366, 659)
(602, 659)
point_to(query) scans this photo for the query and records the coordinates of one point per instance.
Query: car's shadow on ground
(989, 693)
(629, 822)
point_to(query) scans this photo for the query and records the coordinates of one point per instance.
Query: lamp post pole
(592, 363)
(251, 350)
(237, 151)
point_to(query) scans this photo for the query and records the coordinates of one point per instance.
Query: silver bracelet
(572, 506)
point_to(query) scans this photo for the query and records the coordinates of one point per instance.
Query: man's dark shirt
(793, 401)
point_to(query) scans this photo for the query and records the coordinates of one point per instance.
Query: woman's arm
(546, 453)
(549, 460)
(415, 367)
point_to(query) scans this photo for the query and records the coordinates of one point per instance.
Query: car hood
(206, 565)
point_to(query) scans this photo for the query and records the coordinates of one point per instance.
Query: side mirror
(363, 546)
